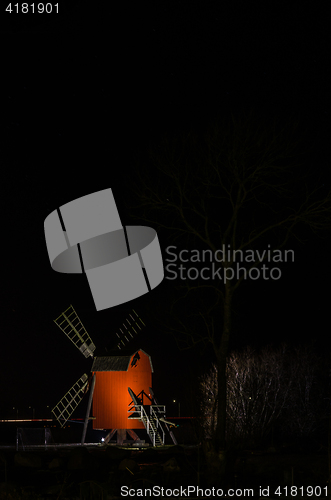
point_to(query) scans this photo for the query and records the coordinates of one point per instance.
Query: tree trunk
(216, 453)
(222, 352)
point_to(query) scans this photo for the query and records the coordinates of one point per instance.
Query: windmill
(120, 385)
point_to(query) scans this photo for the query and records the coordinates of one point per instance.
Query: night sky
(82, 94)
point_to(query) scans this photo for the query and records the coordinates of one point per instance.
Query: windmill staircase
(151, 422)
(151, 425)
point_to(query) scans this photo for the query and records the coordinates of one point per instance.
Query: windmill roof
(118, 363)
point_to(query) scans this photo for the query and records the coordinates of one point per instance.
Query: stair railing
(160, 411)
(146, 421)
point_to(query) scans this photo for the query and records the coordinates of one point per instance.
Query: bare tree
(272, 386)
(308, 393)
(241, 184)
(258, 390)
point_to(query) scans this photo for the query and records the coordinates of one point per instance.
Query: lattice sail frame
(67, 405)
(72, 326)
(127, 329)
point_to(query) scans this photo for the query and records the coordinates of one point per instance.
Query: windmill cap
(118, 363)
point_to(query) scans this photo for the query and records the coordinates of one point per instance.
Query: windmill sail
(67, 405)
(130, 327)
(72, 326)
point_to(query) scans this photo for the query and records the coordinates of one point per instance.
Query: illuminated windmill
(120, 385)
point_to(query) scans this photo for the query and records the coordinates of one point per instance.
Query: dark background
(82, 94)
